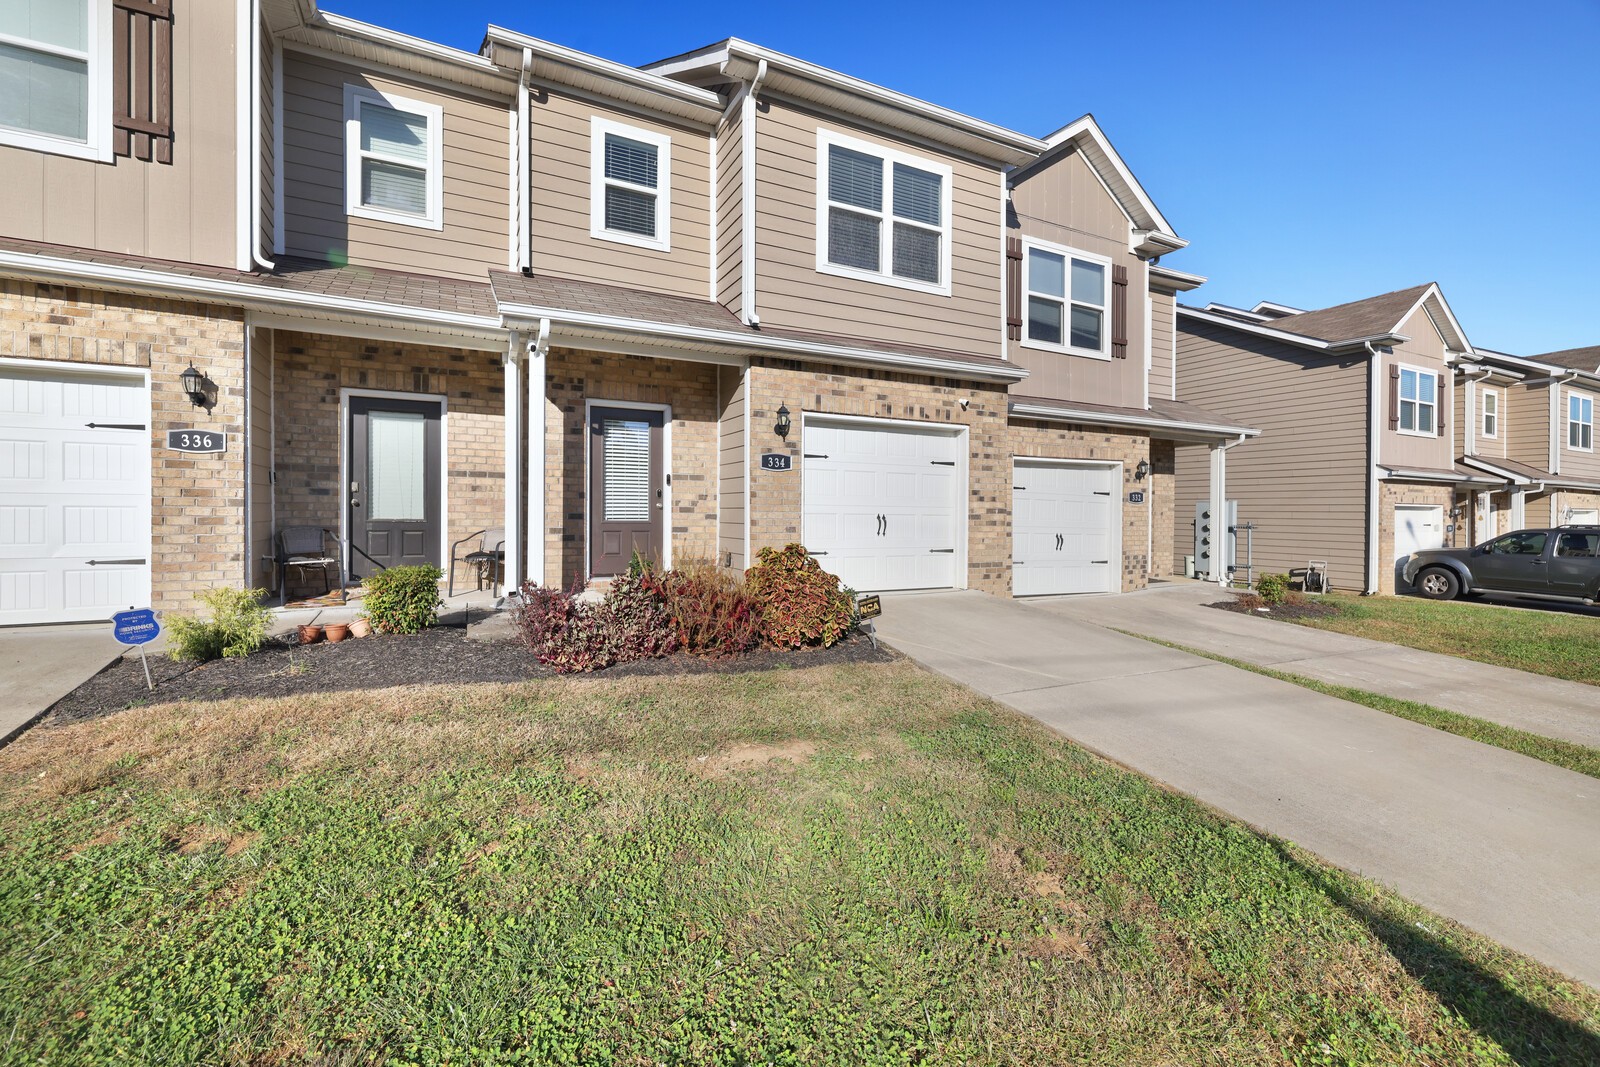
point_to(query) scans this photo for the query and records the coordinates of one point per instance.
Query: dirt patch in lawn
(440, 656)
(753, 757)
(1306, 609)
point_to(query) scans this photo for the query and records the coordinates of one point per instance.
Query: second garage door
(881, 504)
(1064, 529)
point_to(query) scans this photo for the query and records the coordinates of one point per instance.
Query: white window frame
(890, 156)
(355, 96)
(1486, 414)
(1432, 402)
(1070, 253)
(598, 128)
(97, 146)
(1583, 400)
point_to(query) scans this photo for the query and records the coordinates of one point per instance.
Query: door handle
(1537, 562)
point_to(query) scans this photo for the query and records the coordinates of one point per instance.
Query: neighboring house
(727, 301)
(1357, 463)
(1532, 425)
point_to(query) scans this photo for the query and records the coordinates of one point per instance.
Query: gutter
(1101, 418)
(633, 76)
(257, 255)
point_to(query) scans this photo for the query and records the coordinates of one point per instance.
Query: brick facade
(1162, 489)
(310, 372)
(1392, 494)
(197, 505)
(573, 377)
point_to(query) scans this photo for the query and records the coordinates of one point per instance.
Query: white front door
(1064, 528)
(74, 494)
(882, 504)
(1417, 527)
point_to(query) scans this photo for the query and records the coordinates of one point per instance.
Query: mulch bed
(1306, 609)
(440, 656)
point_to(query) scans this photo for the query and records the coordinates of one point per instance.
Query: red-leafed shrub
(565, 634)
(801, 604)
(713, 614)
(636, 615)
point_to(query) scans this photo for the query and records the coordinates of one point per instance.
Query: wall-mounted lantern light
(783, 424)
(1141, 470)
(194, 386)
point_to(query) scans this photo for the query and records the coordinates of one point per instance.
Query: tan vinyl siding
(1489, 447)
(1303, 481)
(477, 180)
(1163, 314)
(791, 292)
(184, 211)
(562, 244)
(730, 213)
(1425, 351)
(1576, 463)
(1528, 424)
(1064, 203)
(732, 466)
(1535, 512)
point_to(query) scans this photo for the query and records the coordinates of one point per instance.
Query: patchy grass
(1568, 754)
(855, 864)
(1558, 644)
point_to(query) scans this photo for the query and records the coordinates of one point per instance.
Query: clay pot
(310, 635)
(360, 627)
(337, 631)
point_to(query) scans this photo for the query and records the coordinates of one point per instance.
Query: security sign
(135, 627)
(202, 441)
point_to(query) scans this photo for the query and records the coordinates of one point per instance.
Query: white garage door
(74, 495)
(881, 504)
(1582, 517)
(1416, 527)
(1064, 529)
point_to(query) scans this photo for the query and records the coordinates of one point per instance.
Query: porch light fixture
(782, 427)
(1141, 470)
(194, 386)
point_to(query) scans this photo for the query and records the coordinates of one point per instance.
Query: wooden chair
(303, 548)
(488, 557)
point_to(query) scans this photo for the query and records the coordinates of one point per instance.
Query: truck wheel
(1438, 583)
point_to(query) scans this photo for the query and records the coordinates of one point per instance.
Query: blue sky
(1312, 154)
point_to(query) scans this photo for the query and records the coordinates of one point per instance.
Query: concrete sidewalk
(41, 664)
(1507, 845)
(1550, 707)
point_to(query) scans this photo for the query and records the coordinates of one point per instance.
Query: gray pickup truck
(1560, 562)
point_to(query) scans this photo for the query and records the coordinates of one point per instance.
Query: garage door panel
(1063, 529)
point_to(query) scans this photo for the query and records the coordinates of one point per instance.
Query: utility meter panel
(1215, 540)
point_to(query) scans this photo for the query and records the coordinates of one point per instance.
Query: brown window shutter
(1439, 418)
(1014, 288)
(1394, 398)
(1119, 312)
(141, 78)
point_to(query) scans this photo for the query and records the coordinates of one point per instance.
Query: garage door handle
(115, 425)
(813, 455)
(816, 553)
(1058, 542)
(1099, 561)
(1099, 493)
(116, 562)
(943, 462)
(941, 550)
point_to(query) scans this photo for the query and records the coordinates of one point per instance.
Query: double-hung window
(393, 158)
(55, 85)
(1580, 422)
(630, 185)
(1068, 299)
(1491, 413)
(1419, 401)
(882, 215)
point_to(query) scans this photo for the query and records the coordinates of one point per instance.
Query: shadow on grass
(1531, 1034)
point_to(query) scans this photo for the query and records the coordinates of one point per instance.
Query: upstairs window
(630, 185)
(1580, 422)
(393, 158)
(1068, 297)
(882, 215)
(55, 88)
(1491, 413)
(1419, 401)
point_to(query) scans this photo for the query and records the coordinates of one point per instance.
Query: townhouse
(267, 266)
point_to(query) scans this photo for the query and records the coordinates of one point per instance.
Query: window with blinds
(626, 474)
(394, 158)
(55, 76)
(397, 461)
(882, 214)
(1067, 294)
(630, 170)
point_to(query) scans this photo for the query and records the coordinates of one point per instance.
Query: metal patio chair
(304, 548)
(488, 557)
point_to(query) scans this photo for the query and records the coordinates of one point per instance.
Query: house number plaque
(776, 461)
(202, 441)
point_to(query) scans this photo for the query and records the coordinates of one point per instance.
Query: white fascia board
(1086, 128)
(606, 68)
(241, 294)
(1485, 465)
(1268, 305)
(1101, 418)
(1177, 280)
(440, 53)
(1432, 293)
(1388, 340)
(1406, 474)
(515, 315)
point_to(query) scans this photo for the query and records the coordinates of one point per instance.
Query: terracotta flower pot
(337, 631)
(360, 627)
(310, 635)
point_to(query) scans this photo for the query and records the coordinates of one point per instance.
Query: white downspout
(1374, 414)
(538, 349)
(513, 463)
(258, 255)
(1557, 424)
(524, 251)
(747, 179)
(1469, 408)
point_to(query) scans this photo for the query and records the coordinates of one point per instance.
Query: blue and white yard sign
(135, 626)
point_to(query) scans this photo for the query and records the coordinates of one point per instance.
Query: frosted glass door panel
(397, 466)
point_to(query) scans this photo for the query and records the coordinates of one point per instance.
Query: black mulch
(1306, 609)
(440, 656)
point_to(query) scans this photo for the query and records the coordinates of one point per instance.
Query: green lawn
(861, 864)
(1556, 643)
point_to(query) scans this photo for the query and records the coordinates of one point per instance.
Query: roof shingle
(1584, 359)
(1359, 318)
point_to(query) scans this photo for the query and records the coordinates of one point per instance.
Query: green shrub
(403, 600)
(801, 604)
(1273, 588)
(234, 624)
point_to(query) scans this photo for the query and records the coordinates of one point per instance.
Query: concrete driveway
(1507, 845)
(41, 664)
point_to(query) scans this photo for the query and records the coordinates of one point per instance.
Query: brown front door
(627, 488)
(394, 483)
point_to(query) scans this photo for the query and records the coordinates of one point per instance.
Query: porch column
(1219, 513)
(1518, 508)
(513, 463)
(537, 529)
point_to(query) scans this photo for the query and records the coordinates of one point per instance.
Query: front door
(627, 488)
(395, 477)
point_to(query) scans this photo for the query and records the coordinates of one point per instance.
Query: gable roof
(1585, 359)
(1378, 315)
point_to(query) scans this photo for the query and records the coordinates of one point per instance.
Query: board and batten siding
(792, 293)
(1303, 481)
(1163, 338)
(562, 244)
(1425, 351)
(182, 211)
(477, 177)
(731, 467)
(1063, 203)
(730, 213)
